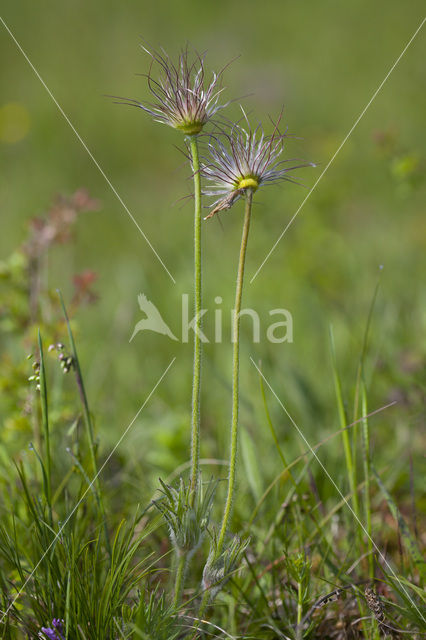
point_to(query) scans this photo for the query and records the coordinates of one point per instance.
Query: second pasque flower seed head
(244, 159)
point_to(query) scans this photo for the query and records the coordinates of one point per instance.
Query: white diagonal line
(96, 163)
(299, 431)
(61, 528)
(341, 145)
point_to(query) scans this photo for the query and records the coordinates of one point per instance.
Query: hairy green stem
(235, 371)
(196, 376)
(196, 373)
(203, 606)
(179, 579)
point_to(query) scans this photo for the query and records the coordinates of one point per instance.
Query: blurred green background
(321, 60)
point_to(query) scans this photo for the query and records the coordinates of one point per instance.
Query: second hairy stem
(235, 370)
(196, 376)
(182, 562)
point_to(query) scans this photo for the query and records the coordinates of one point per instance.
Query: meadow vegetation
(166, 489)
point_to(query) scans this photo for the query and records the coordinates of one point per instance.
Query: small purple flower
(184, 99)
(244, 159)
(55, 632)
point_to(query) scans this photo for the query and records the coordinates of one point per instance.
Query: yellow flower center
(248, 183)
(190, 128)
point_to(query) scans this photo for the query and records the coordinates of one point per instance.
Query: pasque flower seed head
(243, 159)
(183, 96)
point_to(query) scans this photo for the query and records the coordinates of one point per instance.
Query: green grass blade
(88, 422)
(408, 538)
(351, 471)
(45, 424)
(367, 473)
(251, 464)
